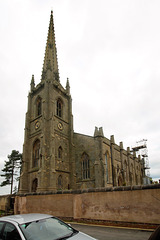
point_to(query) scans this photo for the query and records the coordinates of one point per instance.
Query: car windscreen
(48, 229)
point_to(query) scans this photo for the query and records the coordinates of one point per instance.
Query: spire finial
(68, 86)
(32, 83)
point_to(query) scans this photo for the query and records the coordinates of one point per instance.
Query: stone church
(57, 158)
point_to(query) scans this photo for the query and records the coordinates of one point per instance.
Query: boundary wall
(5, 202)
(134, 204)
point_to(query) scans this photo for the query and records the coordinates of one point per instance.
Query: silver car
(36, 226)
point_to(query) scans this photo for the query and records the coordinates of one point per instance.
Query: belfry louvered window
(59, 108)
(85, 166)
(39, 106)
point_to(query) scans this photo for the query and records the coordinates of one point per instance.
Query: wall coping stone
(118, 189)
(137, 187)
(151, 186)
(90, 190)
(127, 188)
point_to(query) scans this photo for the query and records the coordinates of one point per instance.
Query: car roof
(24, 218)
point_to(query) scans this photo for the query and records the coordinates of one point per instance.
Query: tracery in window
(36, 153)
(59, 108)
(85, 166)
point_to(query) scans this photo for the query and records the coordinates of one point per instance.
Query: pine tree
(11, 169)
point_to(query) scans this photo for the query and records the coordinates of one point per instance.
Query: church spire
(50, 65)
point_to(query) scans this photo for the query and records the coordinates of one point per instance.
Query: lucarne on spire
(50, 66)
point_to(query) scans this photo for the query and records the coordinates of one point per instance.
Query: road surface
(112, 233)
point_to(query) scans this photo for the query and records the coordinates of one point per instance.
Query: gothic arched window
(60, 152)
(36, 153)
(59, 108)
(85, 166)
(34, 185)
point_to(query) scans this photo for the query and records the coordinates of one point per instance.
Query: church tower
(48, 142)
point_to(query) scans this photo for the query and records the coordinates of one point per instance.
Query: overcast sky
(109, 50)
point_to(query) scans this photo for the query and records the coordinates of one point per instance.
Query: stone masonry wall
(136, 204)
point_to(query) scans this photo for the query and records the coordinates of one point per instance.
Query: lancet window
(36, 153)
(60, 152)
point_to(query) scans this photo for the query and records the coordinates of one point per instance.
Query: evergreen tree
(11, 169)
